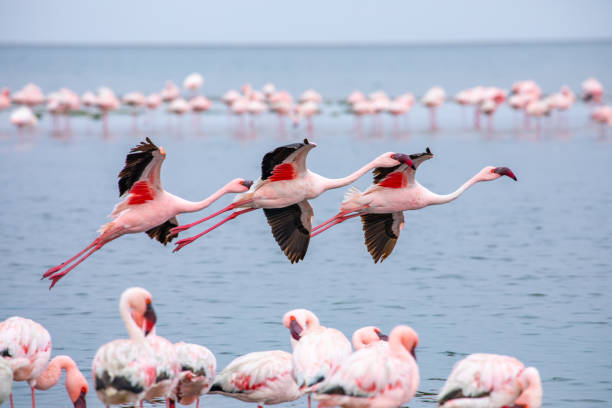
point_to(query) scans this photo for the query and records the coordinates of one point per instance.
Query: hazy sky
(311, 21)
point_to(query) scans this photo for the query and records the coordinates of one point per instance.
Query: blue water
(512, 268)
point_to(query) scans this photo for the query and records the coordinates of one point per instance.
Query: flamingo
(26, 345)
(368, 336)
(124, 369)
(317, 350)
(491, 381)
(592, 90)
(433, 99)
(23, 117)
(6, 380)
(200, 104)
(89, 99)
(230, 97)
(5, 98)
(146, 207)
(193, 82)
(310, 95)
(382, 377)
(153, 101)
(355, 97)
(395, 190)
(283, 192)
(602, 115)
(263, 377)
(198, 370)
(170, 92)
(167, 367)
(76, 384)
(30, 95)
(106, 101)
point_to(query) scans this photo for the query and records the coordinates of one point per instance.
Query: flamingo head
(143, 312)
(404, 159)
(77, 388)
(492, 173)
(530, 381)
(298, 321)
(239, 185)
(367, 335)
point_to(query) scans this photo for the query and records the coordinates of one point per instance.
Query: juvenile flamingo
(198, 370)
(283, 192)
(124, 369)
(382, 377)
(491, 381)
(317, 350)
(146, 207)
(263, 377)
(395, 190)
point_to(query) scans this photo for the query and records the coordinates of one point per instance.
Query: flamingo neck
(51, 376)
(186, 206)
(329, 184)
(436, 199)
(136, 334)
(531, 397)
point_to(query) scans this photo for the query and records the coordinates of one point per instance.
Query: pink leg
(308, 400)
(11, 398)
(140, 404)
(188, 241)
(60, 266)
(33, 399)
(230, 207)
(434, 126)
(338, 221)
(340, 214)
(197, 402)
(55, 278)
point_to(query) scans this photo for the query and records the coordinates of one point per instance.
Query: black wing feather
(135, 163)
(161, 232)
(380, 173)
(379, 236)
(276, 157)
(290, 234)
(458, 393)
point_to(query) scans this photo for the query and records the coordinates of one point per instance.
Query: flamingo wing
(291, 228)
(381, 232)
(162, 232)
(285, 162)
(141, 172)
(401, 175)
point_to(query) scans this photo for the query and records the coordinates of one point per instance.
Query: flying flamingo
(26, 345)
(198, 370)
(124, 369)
(395, 190)
(283, 192)
(263, 377)
(375, 376)
(317, 350)
(146, 207)
(6, 380)
(492, 381)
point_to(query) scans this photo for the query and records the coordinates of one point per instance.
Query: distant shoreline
(308, 45)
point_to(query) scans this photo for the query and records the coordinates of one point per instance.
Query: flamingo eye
(492, 170)
(148, 301)
(83, 390)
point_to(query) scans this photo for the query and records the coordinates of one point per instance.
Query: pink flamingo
(592, 90)
(395, 190)
(23, 117)
(375, 376)
(5, 99)
(193, 82)
(26, 346)
(355, 97)
(230, 97)
(283, 192)
(170, 92)
(88, 99)
(106, 101)
(166, 366)
(153, 101)
(198, 370)
(310, 95)
(30, 95)
(305, 110)
(200, 104)
(124, 369)
(268, 90)
(146, 207)
(433, 99)
(317, 350)
(263, 377)
(368, 336)
(492, 381)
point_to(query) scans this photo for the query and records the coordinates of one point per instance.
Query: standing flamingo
(198, 370)
(167, 368)
(592, 90)
(283, 192)
(193, 82)
(5, 98)
(263, 377)
(433, 99)
(147, 207)
(317, 350)
(382, 377)
(492, 381)
(368, 336)
(395, 190)
(23, 117)
(26, 345)
(124, 369)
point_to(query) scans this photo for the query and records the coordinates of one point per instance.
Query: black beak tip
(413, 167)
(247, 183)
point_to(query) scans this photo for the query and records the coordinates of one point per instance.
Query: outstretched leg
(56, 277)
(188, 241)
(33, 398)
(337, 221)
(230, 207)
(335, 217)
(60, 266)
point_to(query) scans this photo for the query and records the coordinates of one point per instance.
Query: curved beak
(81, 402)
(295, 329)
(162, 151)
(504, 171)
(382, 336)
(413, 352)
(150, 319)
(404, 158)
(247, 183)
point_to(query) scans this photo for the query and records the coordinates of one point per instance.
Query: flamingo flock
(525, 96)
(283, 192)
(381, 371)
